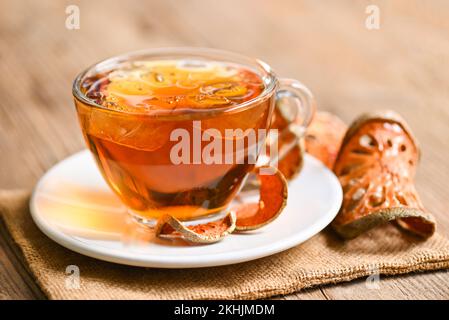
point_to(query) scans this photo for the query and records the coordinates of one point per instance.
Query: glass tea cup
(152, 140)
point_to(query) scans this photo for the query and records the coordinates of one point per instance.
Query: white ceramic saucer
(74, 206)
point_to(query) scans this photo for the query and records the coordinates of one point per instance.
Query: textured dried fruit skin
(322, 140)
(290, 163)
(169, 227)
(324, 137)
(376, 167)
(244, 217)
(273, 198)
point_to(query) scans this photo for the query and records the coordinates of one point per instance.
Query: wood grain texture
(404, 65)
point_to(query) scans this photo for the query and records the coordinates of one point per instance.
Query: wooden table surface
(404, 65)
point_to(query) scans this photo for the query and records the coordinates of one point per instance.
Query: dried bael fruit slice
(324, 137)
(272, 200)
(291, 163)
(322, 140)
(290, 145)
(211, 232)
(376, 166)
(131, 130)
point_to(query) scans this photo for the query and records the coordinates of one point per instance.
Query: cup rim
(269, 77)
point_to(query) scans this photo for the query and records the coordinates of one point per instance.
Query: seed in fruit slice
(227, 89)
(272, 200)
(205, 101)
(159, 79)
(170, 227)
(376, 167)
(324, 136)
(234, 91)
(211, 88)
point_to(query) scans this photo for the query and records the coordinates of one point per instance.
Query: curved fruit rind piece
(376, 166)
(324, 137)
(248, 216)
(321, 140)
(291, 164)
(359, 226)
(168, 226)
(291, 160)
(273, 198)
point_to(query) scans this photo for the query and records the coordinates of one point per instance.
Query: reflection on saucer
(89, 213)
(93, 214)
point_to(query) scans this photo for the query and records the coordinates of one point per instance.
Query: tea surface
(173, 85)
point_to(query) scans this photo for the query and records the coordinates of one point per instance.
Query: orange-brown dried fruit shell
(168, 226)
(291, 164)
(324, 137)
(290, 144)
(273, 198)
(322, 140)
(376, 167)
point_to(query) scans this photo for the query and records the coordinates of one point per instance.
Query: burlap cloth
(321, 260)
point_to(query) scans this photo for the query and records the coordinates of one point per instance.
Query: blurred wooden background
(404, 66)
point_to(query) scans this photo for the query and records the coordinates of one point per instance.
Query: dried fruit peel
(273, 198)
(244, 217)
(290, 163)
(376, 167)
(169, 226)
(324, 137)
(322, 140)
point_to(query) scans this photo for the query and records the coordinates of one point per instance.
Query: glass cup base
(151, 222)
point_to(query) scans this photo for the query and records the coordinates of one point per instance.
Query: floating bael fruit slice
(207, 101)
(376, 166)
(324, 136)
(158, 79)
(273, 198)
(229, 90)
(131, 130)
(170, 227)
(129, 87)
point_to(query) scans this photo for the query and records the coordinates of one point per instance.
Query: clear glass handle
(297, 105)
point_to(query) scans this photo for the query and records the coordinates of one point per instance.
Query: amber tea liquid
(142, 102)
